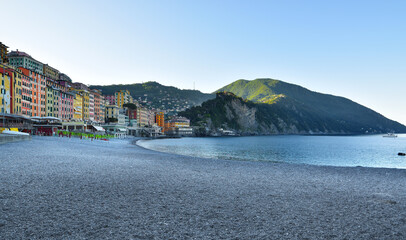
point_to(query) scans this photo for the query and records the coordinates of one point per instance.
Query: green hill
(159, 96)
(280, 107)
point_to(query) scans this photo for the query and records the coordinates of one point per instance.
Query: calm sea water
(367, 151)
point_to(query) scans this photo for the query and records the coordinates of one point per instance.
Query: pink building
(78, 85)
(65, 103)
(91, 106)
(26, 98)
(111, 99)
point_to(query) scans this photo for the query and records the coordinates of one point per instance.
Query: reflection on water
(367, 151)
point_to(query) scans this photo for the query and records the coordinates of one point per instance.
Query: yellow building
(50, 72)
(17, 91)
(5, 95)
(112, 111)
(77, 106)
(14, 86)
(123, 97)
(85, 103)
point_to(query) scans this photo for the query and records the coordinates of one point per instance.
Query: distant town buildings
(32, 89)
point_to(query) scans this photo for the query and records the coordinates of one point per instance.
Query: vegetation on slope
(159, 96)
(286, 108)
(312, 109)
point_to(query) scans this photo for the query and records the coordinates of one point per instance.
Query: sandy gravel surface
(54, 188)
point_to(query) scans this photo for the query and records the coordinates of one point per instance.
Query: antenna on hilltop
(194, 86)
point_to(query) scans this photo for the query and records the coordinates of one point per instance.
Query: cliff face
(230, 112)
(283, 116)
(245, 116)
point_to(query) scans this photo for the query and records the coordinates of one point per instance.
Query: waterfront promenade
(61, 188)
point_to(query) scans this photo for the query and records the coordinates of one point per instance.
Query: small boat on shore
(390, 135)
(13, 131)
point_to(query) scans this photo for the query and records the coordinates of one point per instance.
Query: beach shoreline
(78, 189)
(348, 151)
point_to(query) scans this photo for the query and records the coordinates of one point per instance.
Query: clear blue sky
(355, 49)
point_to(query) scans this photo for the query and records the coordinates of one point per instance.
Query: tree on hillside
(130, 105)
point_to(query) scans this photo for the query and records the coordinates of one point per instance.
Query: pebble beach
(61, 188)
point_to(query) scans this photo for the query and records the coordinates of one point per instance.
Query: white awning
(46, 118)
(98, 128)
(51, 118)
(122, 130)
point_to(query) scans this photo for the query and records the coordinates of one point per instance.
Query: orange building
(26, 93)
(98, 106)
(160, 119)
(38, 92)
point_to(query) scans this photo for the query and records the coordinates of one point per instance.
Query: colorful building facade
(112, 111)
(16, 90)
(56, 103)
(91, 106)
(50, 72)
(32, 89)
(160, 119)
(98, 106)
(38, 92)
(5, 93)
(111, 99)
(50, 102)
(26, 95)
(145, 116)
(85, 104)
(14, 76)
(123, 97)
(22, 59)
(65, 105)
(178, 126)
(77, 106)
